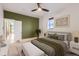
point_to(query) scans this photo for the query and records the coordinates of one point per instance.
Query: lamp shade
(76, 37)
(76, 34)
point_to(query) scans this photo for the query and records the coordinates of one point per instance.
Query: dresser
(74, 47)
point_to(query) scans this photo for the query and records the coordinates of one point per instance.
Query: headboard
(65, 35)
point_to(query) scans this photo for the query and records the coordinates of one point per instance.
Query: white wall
(1, 20)
(43, 24)
(40, 25)
(72, 11)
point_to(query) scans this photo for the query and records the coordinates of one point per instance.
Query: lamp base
(76, 39)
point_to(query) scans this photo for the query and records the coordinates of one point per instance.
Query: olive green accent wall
(29, 24)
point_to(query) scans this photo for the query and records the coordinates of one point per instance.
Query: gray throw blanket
(50, 48)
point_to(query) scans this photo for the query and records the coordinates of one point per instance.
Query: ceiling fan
(40, 8)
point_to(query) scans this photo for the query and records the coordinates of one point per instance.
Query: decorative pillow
(53, 36)
(61, 37)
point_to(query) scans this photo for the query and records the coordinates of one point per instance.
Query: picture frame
(62, 22)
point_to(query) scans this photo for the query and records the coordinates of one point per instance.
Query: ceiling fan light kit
(39, 9)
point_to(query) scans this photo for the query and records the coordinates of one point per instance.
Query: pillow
(61, 37)
(53, 36)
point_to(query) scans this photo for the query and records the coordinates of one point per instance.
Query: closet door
(17, 30)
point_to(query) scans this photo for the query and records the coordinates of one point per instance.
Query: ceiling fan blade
(34, 10)
(38, 4)
(45, 9)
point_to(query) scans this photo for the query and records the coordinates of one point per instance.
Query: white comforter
(31, 50)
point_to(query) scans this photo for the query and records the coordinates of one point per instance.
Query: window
(50, 23)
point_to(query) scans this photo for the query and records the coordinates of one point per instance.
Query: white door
(17, 30)
(1, 27)
(13, 30)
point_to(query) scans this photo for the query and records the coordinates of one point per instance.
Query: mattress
(31, 50)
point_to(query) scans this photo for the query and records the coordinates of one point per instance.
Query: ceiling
(25, 8)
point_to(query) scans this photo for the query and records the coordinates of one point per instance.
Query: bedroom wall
(1, 20)
(72, 11)
(29, 24)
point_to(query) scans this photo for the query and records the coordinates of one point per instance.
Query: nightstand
(74, 47)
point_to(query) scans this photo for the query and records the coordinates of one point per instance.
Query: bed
(46, 46)
(51, 47)
(43, 47)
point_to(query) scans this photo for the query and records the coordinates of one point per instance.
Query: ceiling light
(39, 9)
